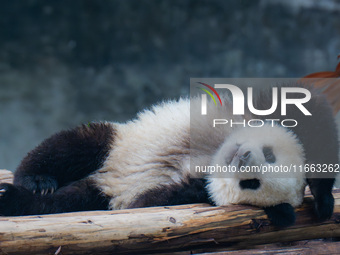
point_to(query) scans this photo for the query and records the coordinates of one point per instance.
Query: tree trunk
(6, 176)
(158, 229)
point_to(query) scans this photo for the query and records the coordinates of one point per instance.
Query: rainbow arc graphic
(209, 93)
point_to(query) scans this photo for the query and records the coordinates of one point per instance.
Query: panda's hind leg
(78, 196)
(65, 157)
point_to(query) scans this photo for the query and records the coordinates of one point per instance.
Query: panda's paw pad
(39, 184)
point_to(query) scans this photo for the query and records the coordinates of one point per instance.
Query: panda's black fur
(53, 178)
(319, 136)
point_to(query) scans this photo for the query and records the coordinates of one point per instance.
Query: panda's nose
(244, 159)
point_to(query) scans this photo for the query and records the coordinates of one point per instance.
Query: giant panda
(147, 162)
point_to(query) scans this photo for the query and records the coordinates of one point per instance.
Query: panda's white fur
(276, 186)
(151, 161)
(134, 163)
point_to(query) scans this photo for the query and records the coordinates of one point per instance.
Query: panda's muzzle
(247, 183)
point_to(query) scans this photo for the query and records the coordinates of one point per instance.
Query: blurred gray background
(65, 62)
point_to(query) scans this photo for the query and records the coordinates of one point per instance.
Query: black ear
(281, 215)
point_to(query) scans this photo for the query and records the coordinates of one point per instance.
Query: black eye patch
(269, 155)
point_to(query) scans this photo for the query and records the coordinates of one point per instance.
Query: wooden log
(6, 176)
(158, 229)
(305, 247)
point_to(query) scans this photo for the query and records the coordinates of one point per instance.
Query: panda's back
(147, 152)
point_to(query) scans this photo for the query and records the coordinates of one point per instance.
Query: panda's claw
(44, 192)
(2, 192)
(40, 184)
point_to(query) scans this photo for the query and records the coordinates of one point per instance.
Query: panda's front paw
(281, 215)
(324, 206)
(40, 184)
(9, 199)
(6, 191)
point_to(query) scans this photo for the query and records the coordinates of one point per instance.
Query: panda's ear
(281, 215)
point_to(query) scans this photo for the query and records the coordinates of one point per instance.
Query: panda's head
(261, 168)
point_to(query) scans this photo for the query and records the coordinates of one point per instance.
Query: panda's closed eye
(269, 155)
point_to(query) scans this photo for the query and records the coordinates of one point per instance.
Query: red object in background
(331, 87)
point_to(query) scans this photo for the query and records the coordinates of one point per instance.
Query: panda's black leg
(187, 192)
(281, 215)
(14, 200)
(65, 157)
(323, 198)
(78, 196)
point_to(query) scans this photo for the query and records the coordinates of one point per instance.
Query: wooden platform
(183, 229)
